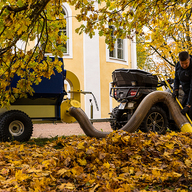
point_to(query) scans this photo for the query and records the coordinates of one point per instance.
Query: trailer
(48, 104)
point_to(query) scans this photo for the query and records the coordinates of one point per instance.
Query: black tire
(155, 121)
(15, 125)
(1, 116)
(119, 118)
(173, 126)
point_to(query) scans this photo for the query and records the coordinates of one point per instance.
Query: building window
(118, 52)
(67, 48)
(63, 31)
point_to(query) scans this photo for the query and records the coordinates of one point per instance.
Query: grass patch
(41, 142)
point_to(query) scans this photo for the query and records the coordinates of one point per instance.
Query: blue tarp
(54, 85)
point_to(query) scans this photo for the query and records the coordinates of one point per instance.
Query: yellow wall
(106, 69)
(76, 64)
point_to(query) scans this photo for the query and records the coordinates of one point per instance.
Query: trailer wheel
(1, 116)
(15, 125)
(155, 121)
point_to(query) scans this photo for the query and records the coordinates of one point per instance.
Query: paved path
(49, 130)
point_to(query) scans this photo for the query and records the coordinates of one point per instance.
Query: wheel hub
(155, 122)
(16, 128)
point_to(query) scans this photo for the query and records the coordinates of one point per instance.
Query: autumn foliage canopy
(35, 24)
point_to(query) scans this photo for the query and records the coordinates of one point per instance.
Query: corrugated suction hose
(138, 116)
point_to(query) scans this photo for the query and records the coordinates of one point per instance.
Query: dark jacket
(184, 77)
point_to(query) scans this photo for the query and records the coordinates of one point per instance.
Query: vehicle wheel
(15, 125)
(1, 116)
(119, 118)
(173, 126)
(155, 120)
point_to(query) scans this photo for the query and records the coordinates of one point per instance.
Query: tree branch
(161, 55)
(33, 16)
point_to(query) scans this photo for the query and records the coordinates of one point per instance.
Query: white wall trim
(92, 72)
(133, 54)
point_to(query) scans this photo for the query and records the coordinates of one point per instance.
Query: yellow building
(92, 63)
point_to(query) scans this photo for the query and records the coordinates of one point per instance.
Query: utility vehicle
(129, 87)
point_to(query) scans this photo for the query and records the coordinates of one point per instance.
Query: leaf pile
(121, 162)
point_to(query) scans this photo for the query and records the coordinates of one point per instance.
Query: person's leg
(190, 113)
(184, 100)
(183, 103)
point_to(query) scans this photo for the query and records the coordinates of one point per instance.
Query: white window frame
(115, 59)
(68, 12)
(65, 30)
(68, 17)
(116, 48)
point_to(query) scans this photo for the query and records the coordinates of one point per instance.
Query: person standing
(183, 77)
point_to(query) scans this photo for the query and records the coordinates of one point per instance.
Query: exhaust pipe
(139, 115)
